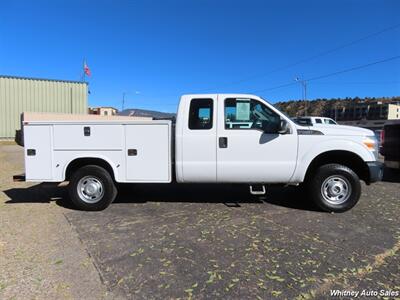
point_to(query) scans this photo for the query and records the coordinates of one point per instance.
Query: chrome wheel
(336, 189)
(90, 189)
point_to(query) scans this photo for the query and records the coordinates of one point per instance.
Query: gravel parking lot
(193, 241)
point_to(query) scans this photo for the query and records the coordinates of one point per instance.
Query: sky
(155, 51)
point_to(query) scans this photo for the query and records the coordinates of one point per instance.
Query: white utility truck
(217, 138)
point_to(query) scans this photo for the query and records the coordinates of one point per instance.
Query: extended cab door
(196, 150)
(245, 152)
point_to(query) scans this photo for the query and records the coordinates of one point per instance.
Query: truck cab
(233, 138)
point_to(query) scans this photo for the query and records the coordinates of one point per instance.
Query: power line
(359, 82)
(355, 68)
(345, 45)
(332, 74)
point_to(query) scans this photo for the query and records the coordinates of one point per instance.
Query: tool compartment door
(38, 152)
(88, 137)
(148, 153)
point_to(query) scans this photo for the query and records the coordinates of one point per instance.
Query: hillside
(146, 113)
(317, 107)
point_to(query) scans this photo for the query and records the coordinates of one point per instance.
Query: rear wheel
(92, 188)
(334, 188)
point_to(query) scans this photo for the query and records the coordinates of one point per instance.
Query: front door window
(249, 114)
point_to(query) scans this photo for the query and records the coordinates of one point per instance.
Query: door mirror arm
(284, 127)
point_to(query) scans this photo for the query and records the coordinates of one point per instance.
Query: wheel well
(81, 162)
(346, 158)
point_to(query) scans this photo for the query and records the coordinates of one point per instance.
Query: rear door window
(201, 114)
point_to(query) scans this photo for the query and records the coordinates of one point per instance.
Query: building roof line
(42, 79)
(94, 107)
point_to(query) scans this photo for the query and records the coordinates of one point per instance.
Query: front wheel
(92, 188)
(334, 188)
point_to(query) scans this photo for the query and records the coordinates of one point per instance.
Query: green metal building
(21, 94)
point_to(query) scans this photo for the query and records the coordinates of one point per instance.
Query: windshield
(330, 121)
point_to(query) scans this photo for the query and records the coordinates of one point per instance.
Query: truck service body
(217, 138)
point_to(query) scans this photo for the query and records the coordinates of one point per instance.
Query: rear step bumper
(19, 178)
(257, 189)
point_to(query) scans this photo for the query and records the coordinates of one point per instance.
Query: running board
(258, 189)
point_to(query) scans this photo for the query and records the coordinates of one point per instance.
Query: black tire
(327, 187)
(102, 193)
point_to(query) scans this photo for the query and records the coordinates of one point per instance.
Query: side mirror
(284, 127)
(278, 126)
(272, 127)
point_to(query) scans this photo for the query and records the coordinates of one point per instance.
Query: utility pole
(123, 101)
(304, 92)
(335, 112)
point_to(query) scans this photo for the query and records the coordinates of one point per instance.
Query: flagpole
(83, 69)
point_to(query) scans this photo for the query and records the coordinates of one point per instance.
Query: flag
(86, 69)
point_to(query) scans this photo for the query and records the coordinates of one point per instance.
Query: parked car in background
(390, 145)
(313, 121)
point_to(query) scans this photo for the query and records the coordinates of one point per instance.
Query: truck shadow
(39, 193)
(228, 194)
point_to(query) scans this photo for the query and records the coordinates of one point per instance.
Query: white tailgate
(38, 165)
(101, 137)
(152, 146)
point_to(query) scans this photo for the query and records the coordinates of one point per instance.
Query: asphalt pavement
(213, 242)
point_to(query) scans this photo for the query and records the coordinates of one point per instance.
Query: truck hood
(341, 130)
